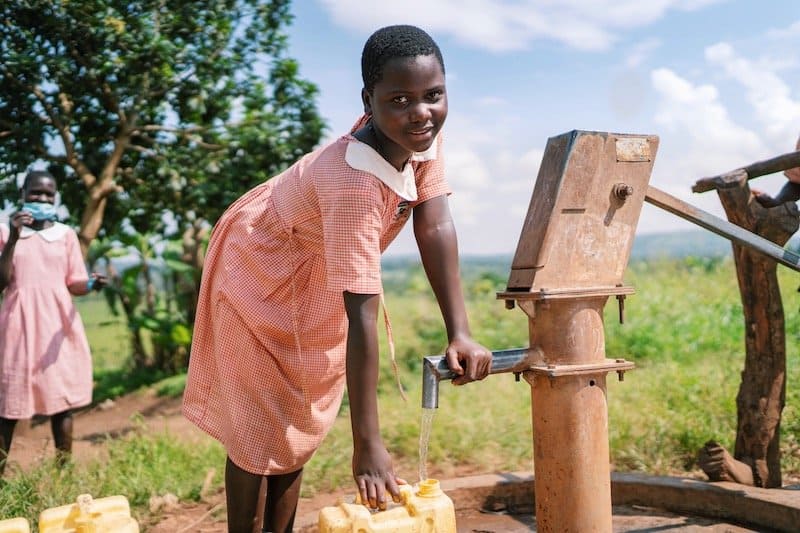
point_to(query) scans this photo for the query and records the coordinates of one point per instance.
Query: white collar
(362, 156)
(51, 234)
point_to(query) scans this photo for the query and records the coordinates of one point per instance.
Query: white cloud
(520, 174)
(502, 25)
(712, 140)
(748, 113)
(492, 182)
(640, 51)
(466, 166)
(768, 94)
(790, 32)
(700, 138)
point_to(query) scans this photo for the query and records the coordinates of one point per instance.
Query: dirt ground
(32, 441)
(139, 411)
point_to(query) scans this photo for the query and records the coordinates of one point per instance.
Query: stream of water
(424, 437)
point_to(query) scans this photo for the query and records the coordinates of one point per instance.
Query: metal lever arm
(721, 227)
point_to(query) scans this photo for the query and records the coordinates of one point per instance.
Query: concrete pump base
(505, 503)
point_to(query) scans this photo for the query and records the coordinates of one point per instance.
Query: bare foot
(719, 465)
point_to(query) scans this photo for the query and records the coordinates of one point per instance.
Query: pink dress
(267, 367)
(45, 363)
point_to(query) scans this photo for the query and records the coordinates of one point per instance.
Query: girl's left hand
(374, 475)
(468, 359)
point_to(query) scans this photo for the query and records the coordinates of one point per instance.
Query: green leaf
(181, 335)
(178, 266)
(168, 118)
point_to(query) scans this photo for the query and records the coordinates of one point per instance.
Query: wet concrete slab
(627, 519)
(642, 503)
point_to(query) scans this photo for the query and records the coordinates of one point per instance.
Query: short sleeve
(76, 268)
(430, 175)
(351, 224)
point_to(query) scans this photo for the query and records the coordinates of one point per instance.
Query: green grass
(108, 334)
(683, 329)
(109, 339)
(138, 467)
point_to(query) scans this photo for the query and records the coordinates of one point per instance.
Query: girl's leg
(283, 491)
(61, 424)
(241, 494)
(6, 433)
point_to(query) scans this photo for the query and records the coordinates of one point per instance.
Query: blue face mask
(40, 210)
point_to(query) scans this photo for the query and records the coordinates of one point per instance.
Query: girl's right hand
(17, 220)
(374, 476)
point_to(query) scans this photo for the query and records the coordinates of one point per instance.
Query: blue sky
(717, 80)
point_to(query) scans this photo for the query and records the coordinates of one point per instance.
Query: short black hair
(36, 174)
(394, 42)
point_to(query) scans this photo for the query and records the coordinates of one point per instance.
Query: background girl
(45, 364)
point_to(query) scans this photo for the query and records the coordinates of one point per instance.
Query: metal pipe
(572, 478)
(721, 227)
(435, 369)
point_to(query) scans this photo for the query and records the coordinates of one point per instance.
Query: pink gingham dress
(267, 367)
(45, 363)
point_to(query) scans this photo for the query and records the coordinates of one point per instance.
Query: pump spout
(435, 369)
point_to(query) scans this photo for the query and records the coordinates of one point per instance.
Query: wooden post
(762, 392)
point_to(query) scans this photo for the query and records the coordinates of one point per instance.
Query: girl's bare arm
(438, 247)
(372, 465)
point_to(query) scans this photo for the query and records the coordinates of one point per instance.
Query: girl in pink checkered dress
(291, 289)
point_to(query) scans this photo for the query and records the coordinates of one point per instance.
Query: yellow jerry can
(426, 510)
(15, 525)
(86, 515)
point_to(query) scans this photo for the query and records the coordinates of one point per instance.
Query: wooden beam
(759, 168)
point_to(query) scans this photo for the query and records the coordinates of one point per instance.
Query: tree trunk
(762, 392)
(194, 254)
(91, 222)
(100, 188)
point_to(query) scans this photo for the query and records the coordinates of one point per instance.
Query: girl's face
(408, 105)
(40, 189)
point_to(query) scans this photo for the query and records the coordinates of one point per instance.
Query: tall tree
(150, 107)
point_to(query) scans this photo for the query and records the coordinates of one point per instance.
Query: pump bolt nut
(622, 191)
